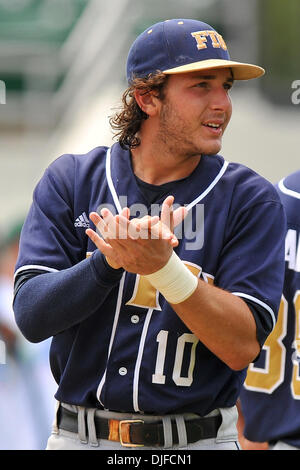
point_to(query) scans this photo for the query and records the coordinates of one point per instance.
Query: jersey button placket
(135, 319)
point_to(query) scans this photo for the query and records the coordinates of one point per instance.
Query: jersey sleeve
(48, 240)
(251, 265)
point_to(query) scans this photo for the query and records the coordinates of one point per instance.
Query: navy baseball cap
(183, 45)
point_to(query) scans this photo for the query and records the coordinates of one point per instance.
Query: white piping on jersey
(259, 302)
(110, 182)
(246, 296)
(210, 187)
(287, 191)
(116, 319)
(34, 266)
(206, 276)
(189, 206)
(139, 360)
(121, 286)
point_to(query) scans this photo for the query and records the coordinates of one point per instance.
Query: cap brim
(240, 70)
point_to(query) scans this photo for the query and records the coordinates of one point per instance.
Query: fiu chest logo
(215, 39)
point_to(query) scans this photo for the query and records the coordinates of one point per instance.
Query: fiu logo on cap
(216, 39)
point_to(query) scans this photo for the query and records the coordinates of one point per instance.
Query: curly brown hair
(127, 121)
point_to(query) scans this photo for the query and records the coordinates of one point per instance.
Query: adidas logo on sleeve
(82, 221)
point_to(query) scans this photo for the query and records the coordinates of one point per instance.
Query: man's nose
(220, 101)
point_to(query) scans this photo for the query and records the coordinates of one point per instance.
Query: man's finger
(123, 223)
(108, 218)
(179, 214)
(104, 247)
(167, 212)
(100, 224)
(147, 222)
(125, 212)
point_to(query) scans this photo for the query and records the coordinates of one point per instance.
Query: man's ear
(147, 101)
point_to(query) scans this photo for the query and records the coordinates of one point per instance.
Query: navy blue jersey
(271, 396)
(134, 353)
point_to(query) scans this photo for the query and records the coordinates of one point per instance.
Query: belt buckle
(128, 421)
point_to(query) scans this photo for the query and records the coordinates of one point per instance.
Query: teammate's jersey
(271, 395)
(135, 353)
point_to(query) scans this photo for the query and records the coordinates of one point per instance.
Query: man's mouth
(213, 124)
(215, 127)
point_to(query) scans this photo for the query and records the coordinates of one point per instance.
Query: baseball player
(270, 399)
(156, 265)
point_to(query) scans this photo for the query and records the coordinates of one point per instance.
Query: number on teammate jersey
(269, 378)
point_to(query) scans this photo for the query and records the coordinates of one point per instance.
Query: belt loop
(181, 430)
(81, 425)
(167, 427)
(228, 428)
(55, 422)
(93, 441)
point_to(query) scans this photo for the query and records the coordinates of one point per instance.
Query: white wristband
(174, 281)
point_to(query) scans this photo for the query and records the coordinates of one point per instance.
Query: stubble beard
(175, 135)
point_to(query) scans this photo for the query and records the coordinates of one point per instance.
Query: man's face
(195, 111)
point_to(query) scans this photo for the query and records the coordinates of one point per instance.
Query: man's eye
(202, 84)
(227, 86)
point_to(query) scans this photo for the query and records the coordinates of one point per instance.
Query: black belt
(136, 432)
